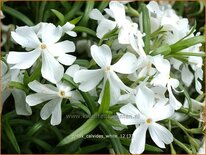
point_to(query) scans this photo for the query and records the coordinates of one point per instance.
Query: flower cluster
(147, 68)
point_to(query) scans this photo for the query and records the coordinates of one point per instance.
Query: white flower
(21, 107)
(161, 15)
(105, 25)
(149, 113)
(163, 79)
(55, 95)
(67, 28)
(102, 55)
(47, 48)
(128, 31)
(144, 68)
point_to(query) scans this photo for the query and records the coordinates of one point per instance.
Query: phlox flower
(54, 96)
(45, 46)
(162, 78)
(149, 112)
(102, 55)
(7, 75)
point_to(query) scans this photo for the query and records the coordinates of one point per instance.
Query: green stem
(86, 30)
(108, 130)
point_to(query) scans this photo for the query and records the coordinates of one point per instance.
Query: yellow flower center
(148, 120)
(43, 46)
(62, 93)
(106, 69)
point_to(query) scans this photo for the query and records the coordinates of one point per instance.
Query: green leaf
(75, 20)
(82, 62)
(146, 27)
(103, 5)
(157, 32)
(109, 35)
(191, 31)
(183, 44)
(35, 128)
(106, 98)
(18, 85)
(59, 15)
(87, 127)
(92, 148)
(81, 106)
(86, 30)
(11, 137)
(41, 143)
(115, 141)
(75, 8)
(131, 11)
(17, 15)
(164, 50)
(85, 18)
(183, 146)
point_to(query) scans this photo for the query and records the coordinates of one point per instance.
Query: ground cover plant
(102, 77)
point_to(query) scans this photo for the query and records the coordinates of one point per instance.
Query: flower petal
(23, 60)
(145, 100)
(126, 65)
(61, 48)
(162, 133)
(166, 112)
(50, 33)
(161, 64)
(37, 98)
(72, 70)
(22, 108)
(41, 88)
(155, 137)
(104, 27)
(88, 79)
(96, 15)
(53, 108)
(129, 115)
(66, 59)
(173, 101)
(51, 69)
(71, 33)
(26, 37)
(102, 55)
(137, 145)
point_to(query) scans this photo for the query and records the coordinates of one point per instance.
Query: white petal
(61, 48)
(71, 33)
(166, 112)
(57, 114)
(129, 115)
(102, 55)
(51, 69)
(198, 86)
(104, 27)
(173, 101)
(187, 76)
(161, 64)
(22, 108)
(66, 59)
(41, 88)
(145, 100)
(155, 137)
(72, 70)
(160, 79)
(163, 133)
(137, 145)
(126, 65)
(5, 94)
(53, 108)
(50, 33)
(38, 98)
(88, 79)
(68, 27)
(96, 14)
(26, 37)
(23, 60)
(118, 10)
